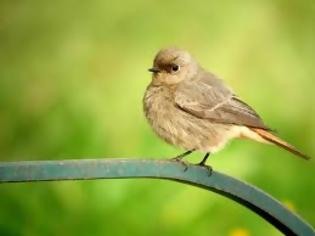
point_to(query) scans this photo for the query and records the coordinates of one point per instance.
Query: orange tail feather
(274, 139)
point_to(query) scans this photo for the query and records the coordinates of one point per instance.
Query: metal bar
(251, 197)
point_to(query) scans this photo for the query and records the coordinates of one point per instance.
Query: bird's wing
(208, 98)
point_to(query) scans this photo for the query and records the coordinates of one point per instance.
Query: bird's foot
(179, 159)
(209, 168)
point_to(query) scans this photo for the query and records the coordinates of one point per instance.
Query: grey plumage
(212, 100)
(193, 109)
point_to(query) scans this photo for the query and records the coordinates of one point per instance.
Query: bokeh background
(72, 77)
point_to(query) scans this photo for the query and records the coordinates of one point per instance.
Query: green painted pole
(251, 197)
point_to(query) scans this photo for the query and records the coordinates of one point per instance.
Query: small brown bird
(191, 108)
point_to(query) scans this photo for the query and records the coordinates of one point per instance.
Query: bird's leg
(203, 163)
(180, 157)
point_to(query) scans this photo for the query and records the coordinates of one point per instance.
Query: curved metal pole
(251, 197)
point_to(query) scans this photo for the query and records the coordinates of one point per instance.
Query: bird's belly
(186, 131)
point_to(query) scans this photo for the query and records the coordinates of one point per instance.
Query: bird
(193, 109)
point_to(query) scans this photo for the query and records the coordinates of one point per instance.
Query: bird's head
(172, 65)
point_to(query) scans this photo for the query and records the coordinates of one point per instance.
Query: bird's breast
(163, 115)
(159, 106)
(180, 128)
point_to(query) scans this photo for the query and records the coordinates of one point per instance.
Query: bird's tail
(279, 142)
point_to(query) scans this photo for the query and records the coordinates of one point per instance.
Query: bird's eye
(175, 68)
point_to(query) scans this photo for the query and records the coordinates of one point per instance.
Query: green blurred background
(72, 77)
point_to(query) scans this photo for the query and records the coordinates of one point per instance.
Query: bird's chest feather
(164, 117)
(159, 106)
(178, 127)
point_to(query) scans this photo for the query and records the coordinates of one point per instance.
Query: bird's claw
(209, 168)
(179, 160)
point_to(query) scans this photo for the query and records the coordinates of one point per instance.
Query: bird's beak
(154, 70)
